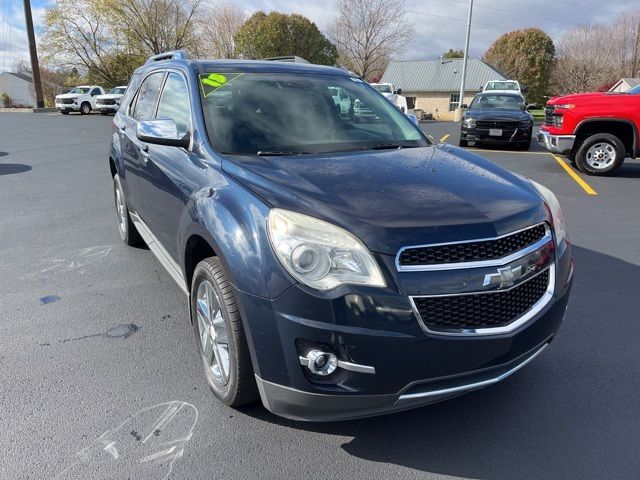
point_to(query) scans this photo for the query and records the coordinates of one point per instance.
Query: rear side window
(134, 83)
(174, 102)
(147, 96)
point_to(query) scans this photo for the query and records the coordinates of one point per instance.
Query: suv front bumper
(555, 143)
(68, 107)
(379, 329)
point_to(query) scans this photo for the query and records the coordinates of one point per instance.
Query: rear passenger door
(161, 179)
(134, 152)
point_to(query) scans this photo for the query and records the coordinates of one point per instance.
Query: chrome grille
(468, 312)
(473, 251)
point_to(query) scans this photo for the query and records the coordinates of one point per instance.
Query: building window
(454, 101)
(411, 103)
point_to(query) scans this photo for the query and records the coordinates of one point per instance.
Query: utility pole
(466, 54)
(33, 53)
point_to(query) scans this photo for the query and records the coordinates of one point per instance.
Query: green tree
(278, 34)
(451, 53)
(527, 56)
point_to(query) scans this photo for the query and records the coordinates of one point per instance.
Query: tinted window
(131, 90)
(260, 113)
(174, 102)
(147, 95)
(95, 91)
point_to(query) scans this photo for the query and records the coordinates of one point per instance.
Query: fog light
(320, 363)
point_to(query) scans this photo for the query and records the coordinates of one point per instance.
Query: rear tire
(600, 154)
(220, 337)
(128, 232)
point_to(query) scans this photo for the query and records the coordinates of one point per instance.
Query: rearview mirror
(162, 132)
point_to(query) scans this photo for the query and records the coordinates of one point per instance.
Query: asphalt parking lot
(95, 340)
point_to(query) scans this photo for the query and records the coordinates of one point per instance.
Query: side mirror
(398, 91)
(524, 89)
(464, 106)
(162, 132)
(413, 118)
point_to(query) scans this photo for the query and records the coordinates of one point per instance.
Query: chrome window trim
(472, 386)
(496, 262)
(537, 307)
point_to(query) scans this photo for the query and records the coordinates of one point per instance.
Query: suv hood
(497, 114)
(395, 198)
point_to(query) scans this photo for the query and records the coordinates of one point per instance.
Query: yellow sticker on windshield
(213, 81)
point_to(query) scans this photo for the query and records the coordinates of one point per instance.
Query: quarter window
(454, 101)
(147, 95)
(174, 102)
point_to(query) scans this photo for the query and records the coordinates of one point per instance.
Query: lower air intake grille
(483, 310)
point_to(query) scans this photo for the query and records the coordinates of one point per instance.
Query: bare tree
(217, 26)
(593, 56)
(586, 59)
(156, 26)
(368, 32)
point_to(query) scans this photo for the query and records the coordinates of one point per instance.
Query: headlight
(319, 254)
(557, 217)
(469, 122)
(564, 106)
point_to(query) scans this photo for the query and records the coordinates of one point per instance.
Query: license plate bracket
(495, 132)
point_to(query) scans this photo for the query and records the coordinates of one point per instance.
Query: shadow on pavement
(573, 413)
(11, 168)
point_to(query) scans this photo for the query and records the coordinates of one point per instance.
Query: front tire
(128, 232)
(600, 154)
(85, 108)
(463, 143)
(64, 112)
(104, 112)
(220, 338)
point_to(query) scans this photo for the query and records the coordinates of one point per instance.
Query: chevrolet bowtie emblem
(506, 277)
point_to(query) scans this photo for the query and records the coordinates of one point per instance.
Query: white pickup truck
(110, 102)
(391, 94)
(79, 99)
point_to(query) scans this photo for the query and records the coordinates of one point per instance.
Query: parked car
(110, 102)
(79, 99)
(497, 118)
(504, 86)
(394, 96)
(597, 131)
(335, 266)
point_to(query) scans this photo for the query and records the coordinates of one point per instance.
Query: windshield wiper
(263, 153)
(387, 146)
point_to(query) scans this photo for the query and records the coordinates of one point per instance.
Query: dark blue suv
(338, 263)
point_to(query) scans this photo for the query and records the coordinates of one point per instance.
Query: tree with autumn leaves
(526, 56)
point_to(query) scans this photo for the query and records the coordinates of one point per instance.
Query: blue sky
(439, 24)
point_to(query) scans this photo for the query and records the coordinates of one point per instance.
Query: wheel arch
(624, 129)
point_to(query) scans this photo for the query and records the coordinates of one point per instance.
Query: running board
(172, 268)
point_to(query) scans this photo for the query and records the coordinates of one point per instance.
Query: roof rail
(291, 58)
(172, 55)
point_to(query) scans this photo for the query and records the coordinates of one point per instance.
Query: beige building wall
(437, 103)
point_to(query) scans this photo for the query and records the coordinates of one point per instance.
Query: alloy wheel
(212, 333)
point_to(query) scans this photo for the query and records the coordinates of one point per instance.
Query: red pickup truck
(597, 131)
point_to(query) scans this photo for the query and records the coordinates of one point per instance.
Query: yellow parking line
(585, 186)
(444, 138)
(506, 151)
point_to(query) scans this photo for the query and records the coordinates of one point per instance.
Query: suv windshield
(117, 91)
(502, 102)
(383, 88)
(281, 113)
(502, 86)
(82, 90)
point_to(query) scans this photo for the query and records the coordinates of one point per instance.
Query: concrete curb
(28, 110)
